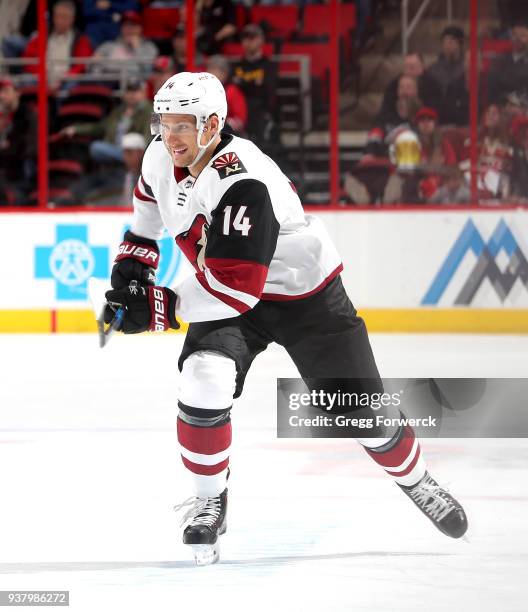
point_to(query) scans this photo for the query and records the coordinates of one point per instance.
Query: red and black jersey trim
(143, 191)
(239, 275)
(280, 297)
(261, 241)
(180, 174)
(237, 305)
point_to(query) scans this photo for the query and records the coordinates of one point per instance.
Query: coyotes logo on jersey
(228, 164)
(193, 242)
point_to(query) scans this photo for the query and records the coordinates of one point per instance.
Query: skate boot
(206, 517)
(439, 506)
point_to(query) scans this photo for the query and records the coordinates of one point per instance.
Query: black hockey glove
(137, 260)
(146, 308)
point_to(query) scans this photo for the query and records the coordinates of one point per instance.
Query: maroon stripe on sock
(205, 470)
(204, 440)
(409, 468)
(397, 455)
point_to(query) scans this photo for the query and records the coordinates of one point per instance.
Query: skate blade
(206, 554)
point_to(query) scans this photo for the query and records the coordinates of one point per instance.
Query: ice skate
(206, 518)
(439, 506)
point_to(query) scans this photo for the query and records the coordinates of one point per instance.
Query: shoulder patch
(228, 164)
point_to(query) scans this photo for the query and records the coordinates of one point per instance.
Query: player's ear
(214, 124)
(211, 128)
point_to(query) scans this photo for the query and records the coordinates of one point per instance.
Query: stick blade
(96, 292)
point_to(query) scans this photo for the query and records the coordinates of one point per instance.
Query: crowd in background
(122, 59)
(418, 148)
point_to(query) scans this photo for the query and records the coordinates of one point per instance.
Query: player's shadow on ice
(98, 566)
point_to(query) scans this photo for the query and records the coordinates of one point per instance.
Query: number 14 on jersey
(240, 223)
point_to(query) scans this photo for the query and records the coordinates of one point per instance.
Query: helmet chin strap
(201, 148)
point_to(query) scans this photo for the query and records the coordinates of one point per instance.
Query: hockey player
(264, 272)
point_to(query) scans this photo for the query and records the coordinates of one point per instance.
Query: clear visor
(157, 126)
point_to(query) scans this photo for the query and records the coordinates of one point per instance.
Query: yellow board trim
(447, 320)
(409, 320)
(49, 321)
(25, 321)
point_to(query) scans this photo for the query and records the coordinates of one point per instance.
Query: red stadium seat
(99, 95)
(317, 19)
(160, 22)
(65, 166)
(241, 16)
(74, 113)
(283, 20)
(319, 53)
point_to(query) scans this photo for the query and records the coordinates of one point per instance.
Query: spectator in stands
(162, 69)
(12, 40)
(403, 186)
(514, 106)
(427, 89)
(102, 18)
(64, 44)
(455, 106)
(130, 46)
(133, 115)
(449, 67)
(402, 112)
(18, 144)
(495, 156)
(366, 182)
(256, 75)
(509, 72)
(436, 151)
(134, 146)
(237, 112)
(113, 188)
(454, 190)
(420, 161)
(519, 173)
(179, 49)
(217, 19)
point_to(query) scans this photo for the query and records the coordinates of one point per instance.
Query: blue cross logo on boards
(71, 261)
(486, 265)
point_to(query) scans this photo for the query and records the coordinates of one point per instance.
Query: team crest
(194, 241)
(228, 164)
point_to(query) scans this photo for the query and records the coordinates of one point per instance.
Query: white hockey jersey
(240, 224)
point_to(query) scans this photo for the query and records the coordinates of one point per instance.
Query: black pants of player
(322, 334)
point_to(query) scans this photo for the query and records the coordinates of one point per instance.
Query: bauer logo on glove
(137, 260)
(145, 308)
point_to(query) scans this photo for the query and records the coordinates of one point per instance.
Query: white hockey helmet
(191, 93)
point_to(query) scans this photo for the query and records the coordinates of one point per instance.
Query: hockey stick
(96, 291)
(115, 324)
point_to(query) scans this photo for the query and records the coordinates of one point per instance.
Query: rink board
(405, 270)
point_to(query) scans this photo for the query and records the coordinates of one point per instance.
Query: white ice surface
(89, 472)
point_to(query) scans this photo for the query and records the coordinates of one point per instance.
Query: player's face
(179, 135)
